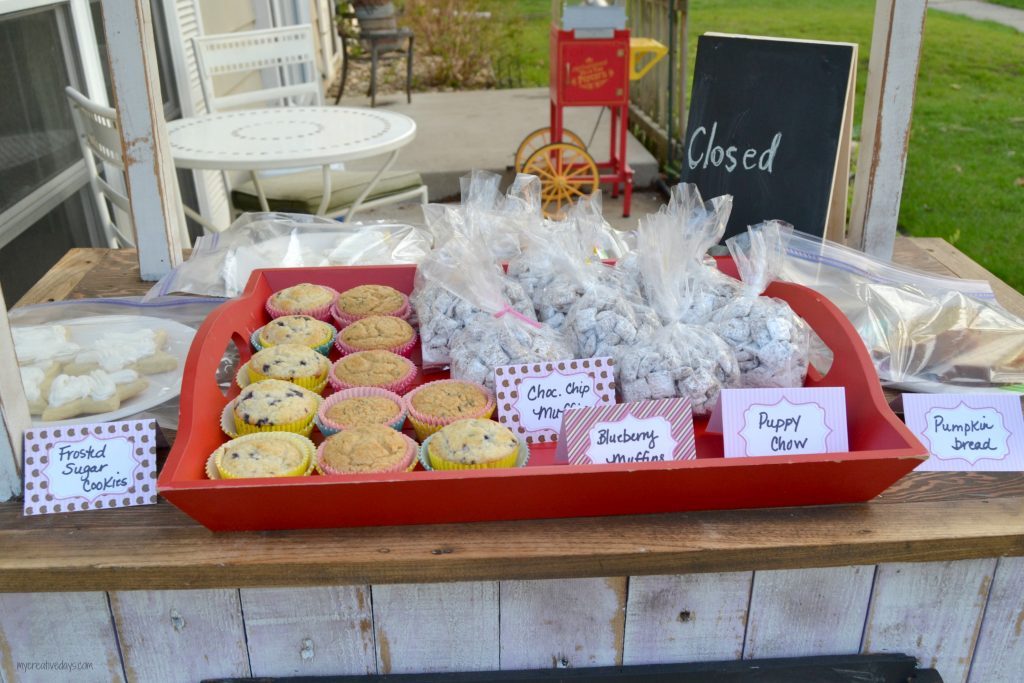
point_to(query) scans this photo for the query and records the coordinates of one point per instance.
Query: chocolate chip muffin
(365, 300)
(368, 448)
(373, 369)
(377, 332)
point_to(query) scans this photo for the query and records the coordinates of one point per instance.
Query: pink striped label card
(646, 431)
(782, 421)
(968, 432)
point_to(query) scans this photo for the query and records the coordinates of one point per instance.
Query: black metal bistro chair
(379, 38)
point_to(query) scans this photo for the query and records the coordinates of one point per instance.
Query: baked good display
(377, 333)
(271, 454)
(36, 380)
(366, 449)
(472, 444)
(382, 369)
(366, 300)
(361, 406)
(275, 405)
(302, 299)
(43, 344)
(303, 330)
(290, 362)
(439, 403)
(97, 392)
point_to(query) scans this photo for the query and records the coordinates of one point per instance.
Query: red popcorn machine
(593, 59)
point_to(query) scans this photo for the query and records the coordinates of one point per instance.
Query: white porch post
(152, 188)
(885, 128)
(14, 415)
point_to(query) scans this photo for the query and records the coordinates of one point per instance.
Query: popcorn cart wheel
(567, 172)
(539, 138)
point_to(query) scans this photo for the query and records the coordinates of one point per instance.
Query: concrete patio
(481, 129)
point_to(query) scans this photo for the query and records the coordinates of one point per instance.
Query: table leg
(325, 200)
(259, 191)
(369, 186)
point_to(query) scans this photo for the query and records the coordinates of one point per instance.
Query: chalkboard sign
(770, 124)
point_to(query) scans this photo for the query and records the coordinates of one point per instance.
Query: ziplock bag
(221, 263)
(87, 321)
(925, 332)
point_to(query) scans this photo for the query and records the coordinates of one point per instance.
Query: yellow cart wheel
(537, 139)
(567, 172)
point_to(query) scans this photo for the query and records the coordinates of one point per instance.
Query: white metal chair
(98, 136)
(275, 54)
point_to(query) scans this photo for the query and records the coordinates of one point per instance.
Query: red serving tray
(882, 448)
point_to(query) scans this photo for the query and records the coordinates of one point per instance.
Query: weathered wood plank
(14, 413)
(803, 612)
(930, 610)
(436, 627)
(70, 631)
(156, 208)
(180, 635)
(885, 129)
(309, 631)
(686, 618)
(563, 623)
(999, 655)
(71, 552)
(962, 266)
(61, 280)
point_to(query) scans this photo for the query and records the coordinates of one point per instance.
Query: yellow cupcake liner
(303, 469)
(322, 346)
(517, 459)
(233, 427)
(315, 384)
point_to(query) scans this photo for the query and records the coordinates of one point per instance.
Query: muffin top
(363, 410)
(302, 297)
(473, 442)
(450, 399)
(295, 329)
(275, 402)
(289, 361)
(371, 300)
(377, 332)
(271, 455)
(367, 448)
(371, 368)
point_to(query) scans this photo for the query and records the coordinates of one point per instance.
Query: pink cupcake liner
(399, 386)
(431, 423)
(327, 427)
(342, 319)
(406, 464)
(323, 313)
(403, 350)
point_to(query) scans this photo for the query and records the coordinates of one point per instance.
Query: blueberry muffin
(290, 362)
(274, 405)
(277, 454)
(296, 329)
(472, 444)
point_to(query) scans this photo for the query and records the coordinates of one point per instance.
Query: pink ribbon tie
(517, 315)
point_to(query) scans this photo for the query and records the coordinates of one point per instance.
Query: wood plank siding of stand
(932, 568)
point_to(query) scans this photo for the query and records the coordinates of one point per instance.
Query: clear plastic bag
(678, 359)
(456, 284)
(88, 321)
(925, 332)
(220, 264)
(770, 341)
(500, 339)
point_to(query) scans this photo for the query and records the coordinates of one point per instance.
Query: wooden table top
(925, 516)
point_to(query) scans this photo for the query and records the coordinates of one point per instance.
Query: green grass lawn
(1016, 4)
(965, 167)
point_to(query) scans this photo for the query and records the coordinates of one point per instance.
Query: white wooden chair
(277, 54)
(101, 146)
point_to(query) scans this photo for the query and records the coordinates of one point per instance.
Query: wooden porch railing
(658, 103)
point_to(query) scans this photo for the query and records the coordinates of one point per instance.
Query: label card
(646, 431)
(968, 432)
(532, 398)
(88, 467)
(782, 421)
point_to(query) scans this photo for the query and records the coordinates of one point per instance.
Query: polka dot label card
(90, 467)
(533, 397)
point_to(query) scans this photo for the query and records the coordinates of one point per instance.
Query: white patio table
(257, 140)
